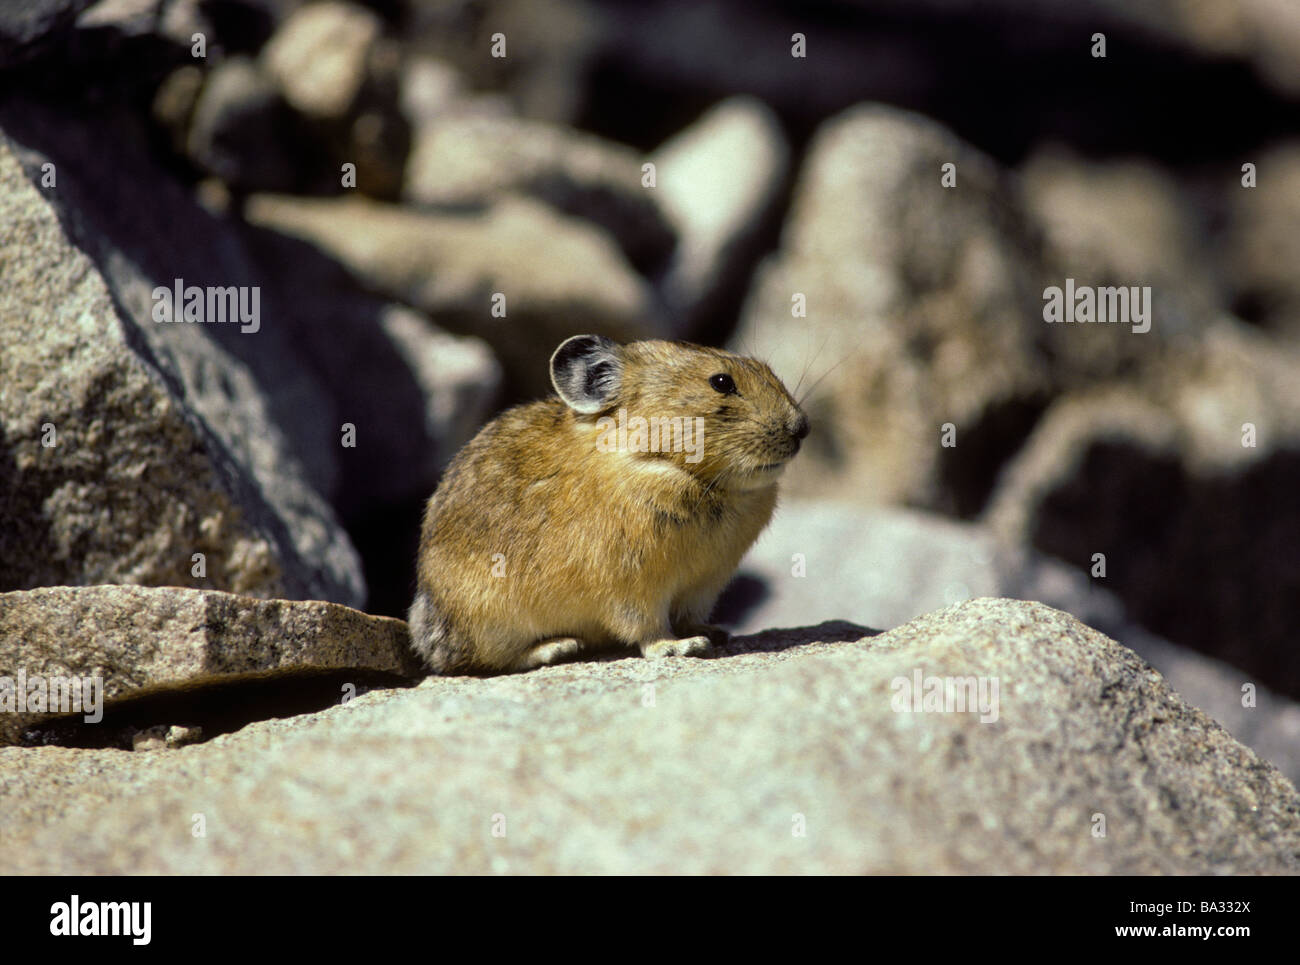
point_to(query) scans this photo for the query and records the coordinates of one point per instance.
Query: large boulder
(927, 338)
(329, 365)
(780, 755)
(923, 307)
(129, 447)
(883, 566)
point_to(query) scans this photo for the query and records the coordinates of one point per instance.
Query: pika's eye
(722, 383)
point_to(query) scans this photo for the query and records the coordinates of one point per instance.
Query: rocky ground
(782, 754)
(220, 523)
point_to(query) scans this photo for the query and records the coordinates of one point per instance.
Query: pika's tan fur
(538, 545)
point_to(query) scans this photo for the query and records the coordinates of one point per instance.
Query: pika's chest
(700, 537)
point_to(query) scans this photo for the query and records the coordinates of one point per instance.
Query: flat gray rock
(136, 638)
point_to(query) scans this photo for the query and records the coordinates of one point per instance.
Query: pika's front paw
(685, 647)
(550, 651)
(717, 636)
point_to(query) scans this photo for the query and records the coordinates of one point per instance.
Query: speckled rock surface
(780, 754)
(136, 637)
(127, 446)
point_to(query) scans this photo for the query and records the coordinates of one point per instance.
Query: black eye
(722, 383)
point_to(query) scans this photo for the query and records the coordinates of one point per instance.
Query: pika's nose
(799, 427)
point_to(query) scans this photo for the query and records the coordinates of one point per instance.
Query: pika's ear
(587, 371)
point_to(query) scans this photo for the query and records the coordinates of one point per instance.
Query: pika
(613, 513)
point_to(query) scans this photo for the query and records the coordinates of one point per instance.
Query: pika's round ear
(587, 371)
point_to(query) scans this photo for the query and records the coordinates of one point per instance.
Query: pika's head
(717, 415)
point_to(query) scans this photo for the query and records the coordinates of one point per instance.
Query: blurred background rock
(774, 175)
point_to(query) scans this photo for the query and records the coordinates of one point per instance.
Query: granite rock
(782, 754)
(119, 461)
(139, 638)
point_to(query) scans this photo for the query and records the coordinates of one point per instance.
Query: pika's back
(495, 487)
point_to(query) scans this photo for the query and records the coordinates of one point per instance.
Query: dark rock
(28, 27)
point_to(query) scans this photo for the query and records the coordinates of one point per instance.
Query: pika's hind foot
(549, 651)
(696, 646)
